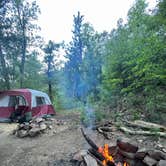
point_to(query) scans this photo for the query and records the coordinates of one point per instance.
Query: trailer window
(40, 101)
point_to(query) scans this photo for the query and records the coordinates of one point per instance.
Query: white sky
(56, 19)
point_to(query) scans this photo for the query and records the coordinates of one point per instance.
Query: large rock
(43, 126)
(126, 146)
(162, 163)
(34, 132)
(22, 133)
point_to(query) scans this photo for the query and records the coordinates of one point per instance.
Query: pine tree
(74, 60)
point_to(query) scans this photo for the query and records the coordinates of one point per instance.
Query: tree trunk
(50, 90)
(4, 69)
(22, 67)
(21, 18)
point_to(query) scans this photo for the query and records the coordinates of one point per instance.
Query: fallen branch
(145, 125)
(148, 133)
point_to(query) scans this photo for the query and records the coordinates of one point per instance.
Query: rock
(50, 127)
(78, 156)
(90, 161)
(126, 146)
(20, 126)
(27, 126)
(157, 155)
(34, 132)
(38, 120)
(43, 126)
(149, 161)
(22, 133)
(140, 154)
(14, 132)
(34, 125)
(162, 163)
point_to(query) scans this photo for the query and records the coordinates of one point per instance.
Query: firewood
(96, 154)
(149, 161)
(124, 145)
(145, 125)
(150, 125)
(148, 133)
(103, 123)
(107, 129)
(107, 135)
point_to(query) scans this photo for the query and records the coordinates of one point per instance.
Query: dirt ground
(56, 146)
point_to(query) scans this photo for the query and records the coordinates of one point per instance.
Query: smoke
(90, 116)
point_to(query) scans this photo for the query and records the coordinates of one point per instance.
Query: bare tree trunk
(50, 90)
(4, 69)
(22, 23)
(22, 67)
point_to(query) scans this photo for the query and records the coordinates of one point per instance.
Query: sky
(56, 18)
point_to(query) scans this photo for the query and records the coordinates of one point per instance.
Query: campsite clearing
(57, 146)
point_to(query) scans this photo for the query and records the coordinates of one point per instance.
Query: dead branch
(148, 133)
(145, 125)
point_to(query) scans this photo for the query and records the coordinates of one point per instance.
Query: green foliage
(135, 63)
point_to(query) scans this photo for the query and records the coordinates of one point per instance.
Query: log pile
(123, 153)
(137, 127)
(35, 127)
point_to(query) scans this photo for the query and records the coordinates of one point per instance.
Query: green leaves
(136, 59)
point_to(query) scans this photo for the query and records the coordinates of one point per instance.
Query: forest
(121, 71)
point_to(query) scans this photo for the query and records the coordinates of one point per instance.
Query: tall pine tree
(74, 60)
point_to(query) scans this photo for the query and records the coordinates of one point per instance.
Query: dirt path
(53, 148)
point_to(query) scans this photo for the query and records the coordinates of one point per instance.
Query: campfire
(108, 158)
(122, 154)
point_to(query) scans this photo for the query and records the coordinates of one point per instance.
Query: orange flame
(105, 152)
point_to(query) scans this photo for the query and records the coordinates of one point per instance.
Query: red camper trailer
(30, 102)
